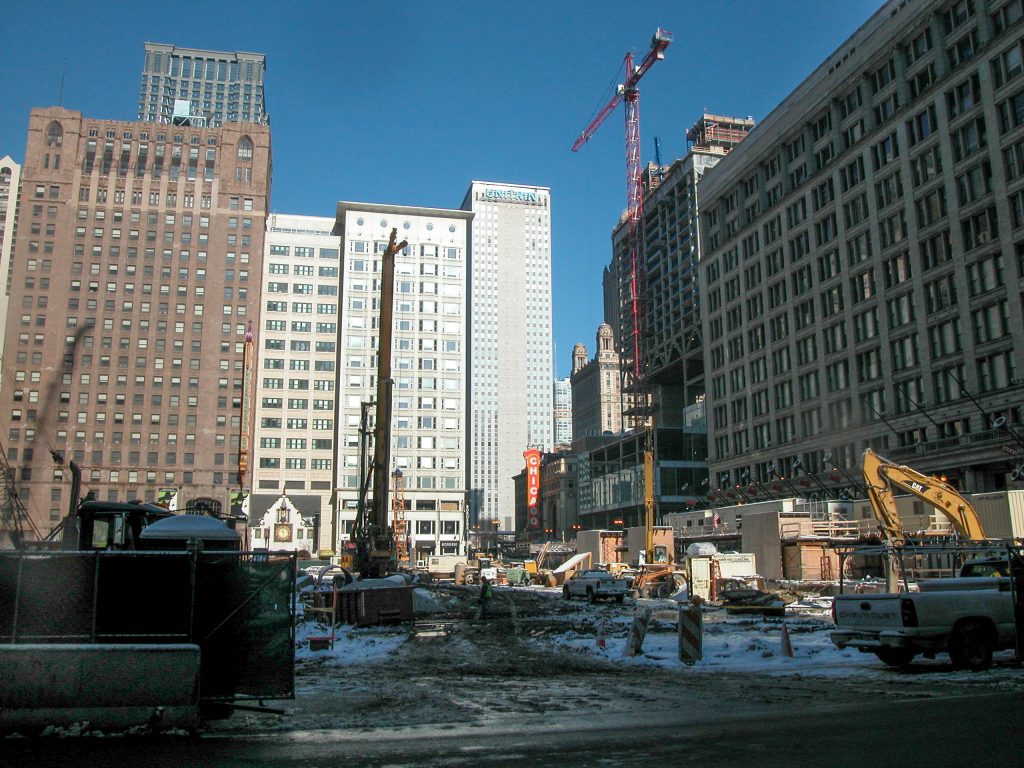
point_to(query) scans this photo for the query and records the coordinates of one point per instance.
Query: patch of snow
(351, 645)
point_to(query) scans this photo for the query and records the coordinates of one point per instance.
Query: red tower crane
(629, 93)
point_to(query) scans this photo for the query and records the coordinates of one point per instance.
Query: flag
(715, 520)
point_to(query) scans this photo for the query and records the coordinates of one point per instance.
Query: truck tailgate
(868, 612)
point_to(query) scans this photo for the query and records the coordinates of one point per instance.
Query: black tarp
(236, 606)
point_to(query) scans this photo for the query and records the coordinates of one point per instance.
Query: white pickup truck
(969, 617)
(594, 585)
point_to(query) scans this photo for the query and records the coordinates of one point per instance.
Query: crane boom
(659, 43)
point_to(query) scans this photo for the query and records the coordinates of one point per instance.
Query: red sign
(532, 457)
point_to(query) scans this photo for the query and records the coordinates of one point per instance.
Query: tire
(565, 593)
(970, 646)
(666, 589)
(895, 657)
(591, 597)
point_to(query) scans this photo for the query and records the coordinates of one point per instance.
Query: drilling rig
(373, 535)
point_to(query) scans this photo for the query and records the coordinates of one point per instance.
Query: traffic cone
(787, 646)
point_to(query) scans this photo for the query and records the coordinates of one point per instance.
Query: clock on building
(282, 533)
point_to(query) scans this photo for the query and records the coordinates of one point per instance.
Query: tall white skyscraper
(429, 362)
(511, 365)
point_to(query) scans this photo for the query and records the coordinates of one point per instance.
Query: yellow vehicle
(884, 478)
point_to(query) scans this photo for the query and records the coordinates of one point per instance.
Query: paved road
(926, 732)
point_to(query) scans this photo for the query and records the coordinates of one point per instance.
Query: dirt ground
(451, 668)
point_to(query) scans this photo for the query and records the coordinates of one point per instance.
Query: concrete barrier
(107, 685)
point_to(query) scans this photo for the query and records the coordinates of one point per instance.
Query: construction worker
(486, 593)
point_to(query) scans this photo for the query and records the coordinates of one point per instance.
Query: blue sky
(406, 102)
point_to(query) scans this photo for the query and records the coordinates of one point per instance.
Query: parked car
(594, 585)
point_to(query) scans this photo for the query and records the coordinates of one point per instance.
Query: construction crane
(373, 533)
(633, 374)
(629, 93)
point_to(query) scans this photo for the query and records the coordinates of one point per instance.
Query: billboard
(532, 456)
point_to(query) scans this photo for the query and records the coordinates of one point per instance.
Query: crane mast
(628, 93)
(632, 361)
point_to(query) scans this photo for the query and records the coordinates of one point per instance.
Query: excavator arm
(884, 478)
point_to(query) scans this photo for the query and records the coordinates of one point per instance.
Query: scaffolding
(712, 132)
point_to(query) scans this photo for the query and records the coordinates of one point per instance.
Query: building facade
(10, 182)
(204, 87)
(562, 393)
(596, 388)
(511, 364)
(296, 379)
(430, 358)
(863, 255)
(125, 349)
(671, 350)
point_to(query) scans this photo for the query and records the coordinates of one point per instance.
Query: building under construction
(671, 350)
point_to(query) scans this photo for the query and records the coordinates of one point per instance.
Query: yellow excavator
(884, 478)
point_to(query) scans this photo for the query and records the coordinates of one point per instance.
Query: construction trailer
(662, 544)
(603, 546)
(1001, 512)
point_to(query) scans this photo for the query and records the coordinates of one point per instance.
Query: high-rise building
(510, 364)
(863, 257)
(10, 181)
(125, 348)
(199, 86)
(296, 382)
(669, 345)
(596, 388)
(429, 363)
(563, 414)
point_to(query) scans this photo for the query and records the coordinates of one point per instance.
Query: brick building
(134, 279)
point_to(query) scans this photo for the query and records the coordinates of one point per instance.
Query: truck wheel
(970, 646)
(565, 593)
(591, 597)
(895, 657)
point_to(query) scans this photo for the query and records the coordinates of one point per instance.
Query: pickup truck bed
(967, 617)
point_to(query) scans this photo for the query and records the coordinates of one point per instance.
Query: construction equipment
(883, 478)
(633, 375)
(373, 535)
(16, 525)
(398, 516)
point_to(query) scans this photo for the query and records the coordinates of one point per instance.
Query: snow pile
(426, 601)
(351, 645)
